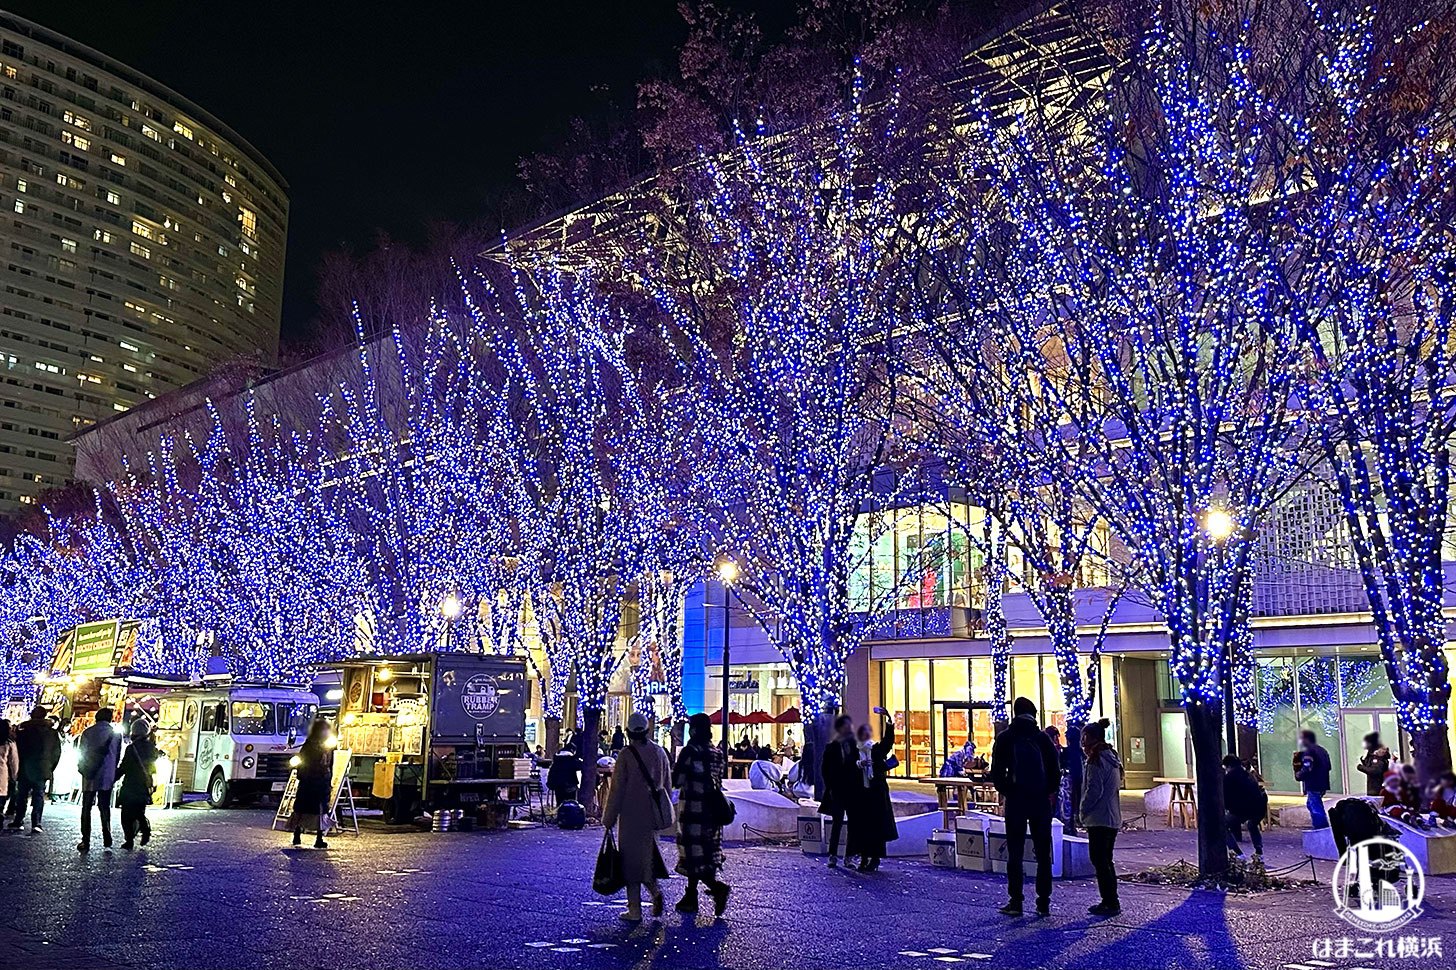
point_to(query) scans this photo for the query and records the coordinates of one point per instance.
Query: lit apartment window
(112, 197)
(143, 230)
(182, 130)
(140, 311)
(71, 183)
(69, 245)
(74, 119)
(151, 133)
(81, 142)
(129, 346)
(27, 500)
(19, 206)
(118, 407)
(128, 368)
(249, 219)
(102, 235)
(21, 185)
(137, 249)
(118, 159)
(11, 72)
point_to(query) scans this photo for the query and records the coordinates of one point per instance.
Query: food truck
(433, 731)
(233, 741)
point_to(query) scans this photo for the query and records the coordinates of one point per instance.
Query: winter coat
(843, 782)
(1242, 796)
(1314, 770)
(9, 767)
(98, 754)
(564, 775)
(699, 769)
(629, 807)
(315, 775)
(1019, 779)
(39, 747)
(138, 765)
(1373, 765)
(871, 815)
(1102, 789)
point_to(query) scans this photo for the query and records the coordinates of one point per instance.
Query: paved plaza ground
(219, 889)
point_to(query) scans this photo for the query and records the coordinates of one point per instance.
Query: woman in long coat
(872, 817)
(699, 772)
(643, 767)
(315, 774)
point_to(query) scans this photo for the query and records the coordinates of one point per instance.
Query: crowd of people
(106, 754)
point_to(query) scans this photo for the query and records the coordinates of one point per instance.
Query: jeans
(134, 821)
(836, 828)
(102, 801)
(1038, 817)
(1100, 839)
(1233, 827)
(24, 790)
(1317, 817)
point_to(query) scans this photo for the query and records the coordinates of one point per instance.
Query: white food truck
(233, 741)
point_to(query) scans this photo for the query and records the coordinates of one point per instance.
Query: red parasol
(791, 716)
(759, 717)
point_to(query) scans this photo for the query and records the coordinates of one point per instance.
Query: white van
(233, 741)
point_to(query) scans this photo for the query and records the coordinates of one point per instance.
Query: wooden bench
(1182, 802)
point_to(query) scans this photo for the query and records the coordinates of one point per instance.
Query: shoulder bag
(662, 817)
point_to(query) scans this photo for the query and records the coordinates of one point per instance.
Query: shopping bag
(607, 880)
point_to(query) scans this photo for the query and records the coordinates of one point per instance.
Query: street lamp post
(727, 575)
(1218, 525)
(450, 608)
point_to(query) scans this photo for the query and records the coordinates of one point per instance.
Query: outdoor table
(1182, 800)
(738, 767)
(966, 791)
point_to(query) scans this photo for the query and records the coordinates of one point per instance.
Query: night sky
(381, 115)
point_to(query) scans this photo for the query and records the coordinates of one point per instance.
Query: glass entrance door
(955, 724)
(1355, 723)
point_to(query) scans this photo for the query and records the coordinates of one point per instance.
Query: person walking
(1245, 803)
(39, 746)
(697, 775)
(315, 773)
(618, 741)
(1374, 763)
(1101, 811)
(871, 816)
(1024, 770)
(97, 757)
(843, 781)
(9, 767)
(138, 764)
(1313, 772)
(642, 773)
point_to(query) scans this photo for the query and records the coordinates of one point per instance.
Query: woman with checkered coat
(698, 772)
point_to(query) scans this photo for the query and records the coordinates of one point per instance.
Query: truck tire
(218, 795)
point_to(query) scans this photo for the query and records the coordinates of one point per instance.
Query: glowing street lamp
(727, 575)
(1218, 524)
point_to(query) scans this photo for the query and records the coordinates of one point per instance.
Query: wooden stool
(1181, 801)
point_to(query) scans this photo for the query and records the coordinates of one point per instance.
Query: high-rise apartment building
(141, 244)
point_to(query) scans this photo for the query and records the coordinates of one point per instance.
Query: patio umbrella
(791, 716)
(733, 717)
(759, 717)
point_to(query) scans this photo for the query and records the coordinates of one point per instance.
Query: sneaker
(627, 916)
(36, 830)
(1011, 909)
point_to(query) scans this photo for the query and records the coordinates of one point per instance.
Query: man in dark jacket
(1024, 770)
(843, 781)
(1313, 772)
(1374, 764)
(39, 747)
(1244, 803)
(564, 775)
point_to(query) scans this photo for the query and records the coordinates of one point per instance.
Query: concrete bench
(763, 812)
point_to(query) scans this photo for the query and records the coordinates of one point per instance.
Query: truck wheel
(217, 790)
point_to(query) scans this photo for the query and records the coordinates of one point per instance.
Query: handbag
(662, 817)
(720, 808)
(607, 879)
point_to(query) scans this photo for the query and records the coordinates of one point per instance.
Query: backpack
(1028, 770)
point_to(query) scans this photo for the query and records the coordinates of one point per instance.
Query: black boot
(298, 836)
